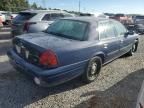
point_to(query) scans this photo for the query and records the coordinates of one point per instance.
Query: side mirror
(130, 32)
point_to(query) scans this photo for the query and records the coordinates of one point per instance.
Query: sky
(109, 6)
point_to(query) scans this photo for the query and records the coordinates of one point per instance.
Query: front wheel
(133, 49)
(93, 70)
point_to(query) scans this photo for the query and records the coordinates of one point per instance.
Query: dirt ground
(117, 86)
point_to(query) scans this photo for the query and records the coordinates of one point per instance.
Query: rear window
(68, 15)
(56, 16)
(4, 13)
(68, 29)
(24, 16)
(52, 16)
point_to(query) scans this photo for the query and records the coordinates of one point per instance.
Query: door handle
(105, 45)
(121, 41)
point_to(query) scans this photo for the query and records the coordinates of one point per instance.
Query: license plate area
(22, 51)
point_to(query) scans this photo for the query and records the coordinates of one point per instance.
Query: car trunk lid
(30, 46)
(48, 41)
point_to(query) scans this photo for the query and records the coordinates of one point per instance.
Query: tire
(92, 70)
(132, 50)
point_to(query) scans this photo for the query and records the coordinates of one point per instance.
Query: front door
(108, 40)
(125, 42)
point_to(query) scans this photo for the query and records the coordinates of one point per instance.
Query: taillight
(48, 58)
(26, 26)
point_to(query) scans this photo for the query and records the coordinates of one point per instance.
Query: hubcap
(133, 48)
(93, 68)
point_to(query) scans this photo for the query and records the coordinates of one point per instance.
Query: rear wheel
(93, 70)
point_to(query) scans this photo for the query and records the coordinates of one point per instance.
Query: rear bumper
(50, 77)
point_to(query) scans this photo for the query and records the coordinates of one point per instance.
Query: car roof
(43, 11)
(89, 19)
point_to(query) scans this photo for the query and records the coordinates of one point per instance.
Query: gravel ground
(117, 86)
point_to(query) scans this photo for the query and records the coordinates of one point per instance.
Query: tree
(34, 6)
(17, 5)
(13, 5)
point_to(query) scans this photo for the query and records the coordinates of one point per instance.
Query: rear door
(109, 42)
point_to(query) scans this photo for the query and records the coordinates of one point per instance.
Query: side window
(101, 30)
(106, 30)
(55, 16)
(52, 16)
(110, 30)
(46, 17)
(67, 15)
(120, 29)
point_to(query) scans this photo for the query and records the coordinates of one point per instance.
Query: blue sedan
(71, 47)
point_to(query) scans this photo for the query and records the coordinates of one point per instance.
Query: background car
(1, 24)
(139, 24)
(124, 19)
(31, 21)
(9, 17)
(3, 17)
(71, 47)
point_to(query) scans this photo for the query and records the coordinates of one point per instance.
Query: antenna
(79, 6)
(44, 3)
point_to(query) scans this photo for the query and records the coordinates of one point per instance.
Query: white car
(9, 17)
(3, 16)
(1, 24)
(32, 21)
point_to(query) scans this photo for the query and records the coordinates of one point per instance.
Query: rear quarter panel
(78, 52)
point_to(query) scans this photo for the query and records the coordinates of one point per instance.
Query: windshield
(68, 29)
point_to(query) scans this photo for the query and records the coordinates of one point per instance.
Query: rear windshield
(24, 16)
(119, 15)
(68, 29)
(4, 13)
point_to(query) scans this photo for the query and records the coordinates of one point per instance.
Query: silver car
(32, 21)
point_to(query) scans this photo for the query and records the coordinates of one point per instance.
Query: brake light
(26, 26)
(48, 58)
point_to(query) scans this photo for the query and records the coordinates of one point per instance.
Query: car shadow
(122, 95)
(18, 90)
